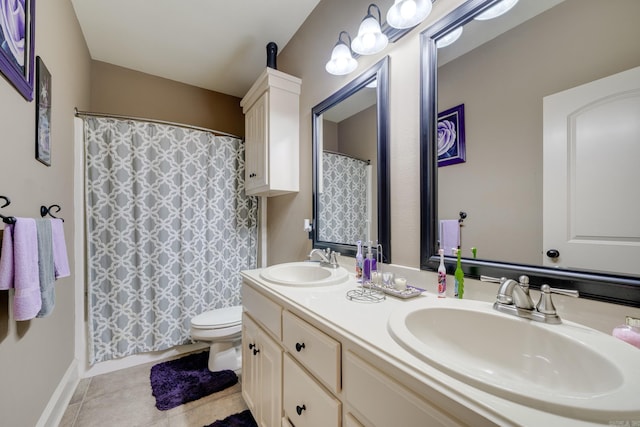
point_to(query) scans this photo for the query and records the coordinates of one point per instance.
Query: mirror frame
(379, 72)
(605, 287)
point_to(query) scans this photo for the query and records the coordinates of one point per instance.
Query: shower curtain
(169, 227)
(344, 202)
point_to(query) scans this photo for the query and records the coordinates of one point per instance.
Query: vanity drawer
(263, 310)
(385, 402)
(314, 349)
(306, 403)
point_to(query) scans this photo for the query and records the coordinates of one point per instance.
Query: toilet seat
(220, 318)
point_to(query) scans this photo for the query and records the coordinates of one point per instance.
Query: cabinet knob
(256, 351)
(299, 347)
(299, 409)
(553, 253)
(252, 346)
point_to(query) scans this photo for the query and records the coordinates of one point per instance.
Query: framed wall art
(451, 140)
(43, 113)
(16, 44)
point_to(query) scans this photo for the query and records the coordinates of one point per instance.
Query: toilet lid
(218, 318)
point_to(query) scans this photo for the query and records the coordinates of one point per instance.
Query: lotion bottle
(359, 261)
(442, 276)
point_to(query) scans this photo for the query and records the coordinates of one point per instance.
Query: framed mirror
(507, 73)
(350, 165)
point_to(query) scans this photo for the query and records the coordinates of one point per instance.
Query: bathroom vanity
(312, 357)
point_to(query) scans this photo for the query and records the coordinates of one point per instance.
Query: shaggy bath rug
(186, 379)
(243, 419)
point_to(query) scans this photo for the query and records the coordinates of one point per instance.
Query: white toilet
(222, 328)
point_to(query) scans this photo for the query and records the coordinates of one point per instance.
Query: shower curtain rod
(347, 155)
(79, 113)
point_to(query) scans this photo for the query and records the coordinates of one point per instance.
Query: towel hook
(7, 219)
(44, 211)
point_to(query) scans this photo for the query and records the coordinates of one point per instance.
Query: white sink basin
(567, 369)
(304, 274)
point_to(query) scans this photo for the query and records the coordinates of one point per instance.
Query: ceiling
(216, 45)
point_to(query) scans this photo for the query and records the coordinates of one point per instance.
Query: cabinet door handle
(299, 347)
(299, 409)
(256, 351)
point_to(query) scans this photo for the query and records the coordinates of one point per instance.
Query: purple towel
(449, 235)
(60, 259)
(26, 281)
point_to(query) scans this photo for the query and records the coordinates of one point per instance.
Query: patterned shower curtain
(169, 227)
(343, 208)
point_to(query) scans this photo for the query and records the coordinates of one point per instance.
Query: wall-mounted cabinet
(272, 133)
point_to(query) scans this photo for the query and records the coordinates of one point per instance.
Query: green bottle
(459, 277)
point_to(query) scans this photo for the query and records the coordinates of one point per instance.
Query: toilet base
(225, 356)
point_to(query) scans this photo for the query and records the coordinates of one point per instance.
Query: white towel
(449, 235)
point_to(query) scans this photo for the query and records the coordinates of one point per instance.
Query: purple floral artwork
(13, 26)
(451, 141)
(16, 44)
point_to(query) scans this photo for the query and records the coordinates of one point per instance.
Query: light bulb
(408, 9)
(368, 40)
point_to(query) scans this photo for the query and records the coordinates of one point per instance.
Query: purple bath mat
(186, 379)
(242, 419)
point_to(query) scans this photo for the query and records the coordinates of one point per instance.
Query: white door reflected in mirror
(590, 180)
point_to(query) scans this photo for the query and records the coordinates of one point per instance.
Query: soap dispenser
(629, 332)
(369, 263)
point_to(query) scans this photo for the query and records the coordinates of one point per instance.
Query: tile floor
(123, 399)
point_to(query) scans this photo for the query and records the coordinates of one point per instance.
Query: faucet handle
(333, 259)
(566, 292)
(545, 305)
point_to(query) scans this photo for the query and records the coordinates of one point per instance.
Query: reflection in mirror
(507, 73)
(350, 173)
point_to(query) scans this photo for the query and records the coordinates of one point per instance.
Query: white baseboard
(54, 411)
(140, 359)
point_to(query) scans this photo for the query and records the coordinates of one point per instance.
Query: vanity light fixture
(408, 13)
(449, 38)
(370, 39)
(341, 62)
(496, 10)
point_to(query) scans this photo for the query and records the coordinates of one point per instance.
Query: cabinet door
(249, 363)
(306, 403)
(270, 362)
(257, 131)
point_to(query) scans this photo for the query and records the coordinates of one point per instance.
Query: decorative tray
(410, 292)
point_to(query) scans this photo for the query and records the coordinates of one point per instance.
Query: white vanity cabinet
(272, 115)
(324, 379)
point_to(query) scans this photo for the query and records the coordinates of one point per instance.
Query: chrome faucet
(327, 257)
(515, 293)
(513, 298)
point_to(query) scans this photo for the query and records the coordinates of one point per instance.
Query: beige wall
(34, 355)
(121, 91)
(500, 184)
(305, 56)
